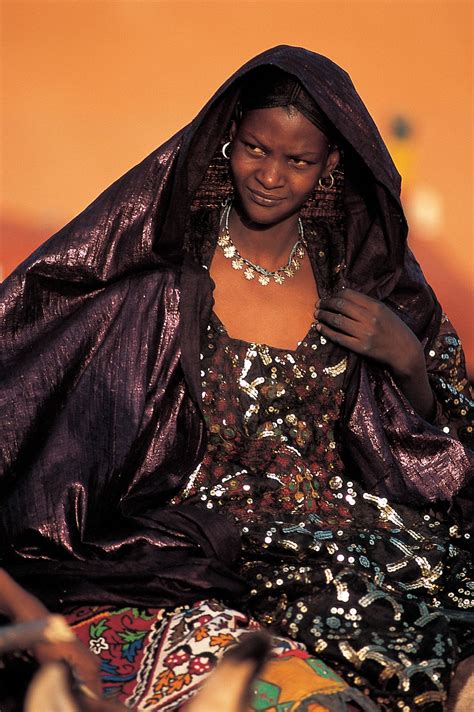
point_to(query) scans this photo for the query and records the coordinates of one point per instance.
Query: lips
(264, 199)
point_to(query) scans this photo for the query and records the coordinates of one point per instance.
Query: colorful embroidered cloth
(296, 681)
(157, 659)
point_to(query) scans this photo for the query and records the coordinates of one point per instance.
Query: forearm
(412, 379)
(18, 604)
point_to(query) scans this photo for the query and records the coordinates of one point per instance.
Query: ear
(331, 161)
(233, 130)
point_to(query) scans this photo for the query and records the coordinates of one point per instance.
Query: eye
(254, 149)
(300, 162)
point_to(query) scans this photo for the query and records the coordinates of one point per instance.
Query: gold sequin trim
(337, 369)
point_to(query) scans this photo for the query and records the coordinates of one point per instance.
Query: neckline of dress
(221, 327)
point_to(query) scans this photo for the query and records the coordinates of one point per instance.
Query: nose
(270, 174)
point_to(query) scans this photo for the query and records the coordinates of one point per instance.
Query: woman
(147, 432)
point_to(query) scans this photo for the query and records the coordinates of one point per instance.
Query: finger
(338, 321)
(337, 337)
(340, 305)
(346, 299)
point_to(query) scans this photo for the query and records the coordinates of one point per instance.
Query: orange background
(90, 87)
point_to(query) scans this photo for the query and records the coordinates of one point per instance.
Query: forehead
(283, 126)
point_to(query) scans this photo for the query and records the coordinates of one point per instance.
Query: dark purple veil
(101, 412)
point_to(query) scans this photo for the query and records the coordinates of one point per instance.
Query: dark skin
(281, 156)
(366, 326)
(277, 158)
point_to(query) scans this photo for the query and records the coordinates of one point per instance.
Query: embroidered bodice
(272, 419)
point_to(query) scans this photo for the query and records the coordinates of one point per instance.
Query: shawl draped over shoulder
(101, 397)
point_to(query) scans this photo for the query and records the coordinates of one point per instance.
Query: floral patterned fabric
(157, 659)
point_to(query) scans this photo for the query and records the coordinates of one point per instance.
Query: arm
(369, 328)
(21, 607)
(396, 451)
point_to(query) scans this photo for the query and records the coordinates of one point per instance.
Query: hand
(22, 607)
(85, 665)
(366, 326)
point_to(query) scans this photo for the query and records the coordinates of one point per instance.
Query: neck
(267, 245)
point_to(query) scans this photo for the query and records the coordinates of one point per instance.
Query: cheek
(239, 168)
(234, 171)
(304, 186)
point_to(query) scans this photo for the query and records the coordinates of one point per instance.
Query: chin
(260, 214)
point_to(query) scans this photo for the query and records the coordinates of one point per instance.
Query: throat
(263, 254)
(267, 246)
(279, 315)
(271, 259)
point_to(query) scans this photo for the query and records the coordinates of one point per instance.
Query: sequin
(312, 532)
(273, 417)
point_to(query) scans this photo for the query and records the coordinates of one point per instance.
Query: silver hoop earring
(326, 186)
(224, 149)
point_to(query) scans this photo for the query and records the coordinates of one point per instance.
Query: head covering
(375, 227)
(269, 87)
(140, 221)
(100, 368)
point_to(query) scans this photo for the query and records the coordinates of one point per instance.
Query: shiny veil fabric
(101, 326)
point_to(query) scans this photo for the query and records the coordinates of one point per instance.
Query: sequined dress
(376, 591)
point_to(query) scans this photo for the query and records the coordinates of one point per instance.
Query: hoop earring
(224, 149)
(326, 186)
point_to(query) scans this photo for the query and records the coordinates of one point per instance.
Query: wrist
(410, 364)
(411, 377)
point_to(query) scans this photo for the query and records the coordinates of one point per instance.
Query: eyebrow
(296, 154)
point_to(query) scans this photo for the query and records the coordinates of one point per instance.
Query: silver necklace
(250, 269)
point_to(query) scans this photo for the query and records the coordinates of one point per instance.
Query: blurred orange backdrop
(90, 87)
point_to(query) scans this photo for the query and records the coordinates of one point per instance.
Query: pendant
(249, 273)
(229, 251)
(263, 279)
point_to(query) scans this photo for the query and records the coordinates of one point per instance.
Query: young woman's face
(277, 158)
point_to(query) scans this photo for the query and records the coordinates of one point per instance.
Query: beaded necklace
(250, 268)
